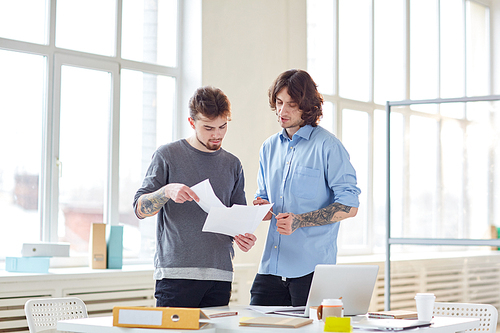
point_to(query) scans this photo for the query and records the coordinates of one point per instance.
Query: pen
(273, 213)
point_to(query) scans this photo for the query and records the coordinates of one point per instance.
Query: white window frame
(188, 37)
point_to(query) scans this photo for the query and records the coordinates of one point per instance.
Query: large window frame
(373, 222)
(48, 203)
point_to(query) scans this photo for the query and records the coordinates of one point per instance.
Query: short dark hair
(303, 90)
(211, 102)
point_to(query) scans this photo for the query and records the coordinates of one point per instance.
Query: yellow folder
(158, 317)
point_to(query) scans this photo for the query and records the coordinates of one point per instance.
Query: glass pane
(83, 152)
(390, 60)
(22, 101)
(328, 121)
(398, 173)
(423, 181)
(452, 110)
(452, 212)
(355, 137)
(24, 20)
(320, 44)
(146, 122)
(452, 49)
(424, 52)
(354, 49)
(478, 70)
(379, 180)
(478, 142)
(87, 26)
(496, 158)
(150, 31)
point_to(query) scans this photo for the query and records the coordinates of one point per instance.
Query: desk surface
(231, 324)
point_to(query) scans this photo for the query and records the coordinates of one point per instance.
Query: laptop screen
(353, 283)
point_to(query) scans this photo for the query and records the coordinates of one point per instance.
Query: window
(89, 94)
(442, 155)
(23, 75)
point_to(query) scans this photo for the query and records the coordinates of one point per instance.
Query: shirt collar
(303, 132)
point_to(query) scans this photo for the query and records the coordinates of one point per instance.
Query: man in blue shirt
(305, 171)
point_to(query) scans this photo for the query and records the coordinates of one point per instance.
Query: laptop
(354, 283)
(389, 324)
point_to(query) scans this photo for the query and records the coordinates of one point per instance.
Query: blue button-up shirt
(301, 175)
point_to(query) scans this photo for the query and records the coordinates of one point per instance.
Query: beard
(210, 146)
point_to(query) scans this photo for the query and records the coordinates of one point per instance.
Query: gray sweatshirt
(183, 251)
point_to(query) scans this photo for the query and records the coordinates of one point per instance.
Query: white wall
(245, 46)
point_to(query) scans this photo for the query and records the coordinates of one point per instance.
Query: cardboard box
(158, 317)
(27, 264)
(97, 246)
(114, 246)
(45, 250)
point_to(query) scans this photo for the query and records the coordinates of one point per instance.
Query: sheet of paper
(235, 220)
(232, 221)
(208, 199)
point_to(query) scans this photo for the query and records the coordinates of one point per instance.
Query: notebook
(389, 324)
(354, 283)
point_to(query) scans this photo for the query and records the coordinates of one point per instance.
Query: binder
(114, 246)
(158, 317)
(97, 248)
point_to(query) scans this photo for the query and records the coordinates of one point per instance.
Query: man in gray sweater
(193, 268)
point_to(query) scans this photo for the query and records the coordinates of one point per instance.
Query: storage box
(45, 250)
(27, 264)
(158, 317)
(97, 248)
(114, 243)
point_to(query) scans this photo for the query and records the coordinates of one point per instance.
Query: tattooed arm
(287, 223)
(149, 204)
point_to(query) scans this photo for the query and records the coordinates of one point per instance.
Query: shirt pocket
(305, 182)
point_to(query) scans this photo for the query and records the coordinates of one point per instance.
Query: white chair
(486, 313)
(43, 313)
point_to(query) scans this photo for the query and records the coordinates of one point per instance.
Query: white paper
(231, 221)
(208, 199)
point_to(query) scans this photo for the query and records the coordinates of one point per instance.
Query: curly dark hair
(211, 102)
(303, 90)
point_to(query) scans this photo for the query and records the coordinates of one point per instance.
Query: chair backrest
(487, 314)
(43, 313)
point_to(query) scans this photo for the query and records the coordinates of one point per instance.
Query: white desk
(105, 325)
(231, 325)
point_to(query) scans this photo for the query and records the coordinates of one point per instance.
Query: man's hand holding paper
(231, 221)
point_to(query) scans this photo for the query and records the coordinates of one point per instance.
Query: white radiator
(100, 290)
(459, 279)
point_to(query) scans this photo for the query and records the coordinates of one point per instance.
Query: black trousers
(272, 290)
(192, 293)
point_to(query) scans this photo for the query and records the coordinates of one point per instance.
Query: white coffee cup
(330, 308)
(425, 306)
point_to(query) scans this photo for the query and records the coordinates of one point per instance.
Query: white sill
(59, 272)
(76, 272)
(377, 258)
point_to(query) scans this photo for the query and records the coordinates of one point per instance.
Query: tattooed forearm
(330, 214)
(150, 204)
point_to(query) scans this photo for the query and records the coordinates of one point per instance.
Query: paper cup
(330, 308)
(425, 306)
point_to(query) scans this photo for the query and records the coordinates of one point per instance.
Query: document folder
(158, 317)
(97, 248)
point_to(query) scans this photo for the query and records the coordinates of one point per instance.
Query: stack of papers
(394, 314)
(275, 322)
(231, 221)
